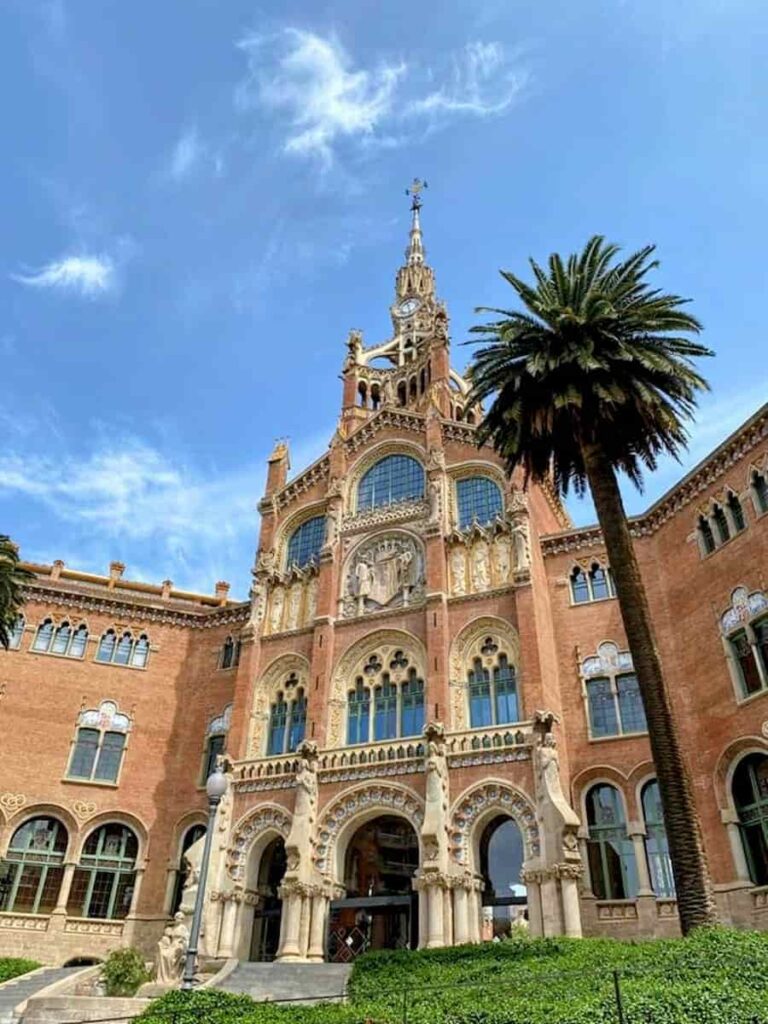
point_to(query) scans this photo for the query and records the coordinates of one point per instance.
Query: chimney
(56, 568)
(166, 591)
(278, 464)
(222, 591)
(116, 570)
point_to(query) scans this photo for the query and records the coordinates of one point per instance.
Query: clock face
(407, 307)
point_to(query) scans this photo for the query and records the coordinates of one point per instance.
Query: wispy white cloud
(325, 98)
(83, 275)
(186, 154)
(482, 81)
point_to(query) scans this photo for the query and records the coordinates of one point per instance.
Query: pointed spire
(415, 278)
(414, 254)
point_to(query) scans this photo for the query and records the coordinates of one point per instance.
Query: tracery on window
(591, 584)
(125, 649)
(492, 688)
(393, 479)
(745, 635)
(64, 639)
(387, 699)
(105, 878)
(614, 703)
(287, 721)
(99, 744)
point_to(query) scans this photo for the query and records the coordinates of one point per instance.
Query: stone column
(229, 925)
(586, 877)
(64, 889)
(731, 821)
(637, 835)
(569, 891)
(435, 938)
(461, 915)
(316, 950)
(532, 882)
(474, 912)
(305, 911)
(290, 925)
(423, 917)
(447, 917)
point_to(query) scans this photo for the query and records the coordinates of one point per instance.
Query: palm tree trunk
(695, 900)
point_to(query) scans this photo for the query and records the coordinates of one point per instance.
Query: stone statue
(480, 579)
(458, 570)
(549, 766)
(311, 610)
(265, 563)
(192, 859)
(387, 392)
(436, 459)
(435, 499)
(276, 611)
(434, 830)
(501, 559)
(354, 347)
(331, 527)
(169, 961)
(404, 562)
(294, 606)
(258, 598)
(364, 577)
(301, 836)
(519, 531)
(335, 487)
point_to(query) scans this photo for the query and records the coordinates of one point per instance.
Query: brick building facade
(428, 706)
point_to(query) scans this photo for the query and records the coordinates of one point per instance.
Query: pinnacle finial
(414, 254)
(414, 190)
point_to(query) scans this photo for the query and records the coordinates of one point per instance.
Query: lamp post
(215, 787)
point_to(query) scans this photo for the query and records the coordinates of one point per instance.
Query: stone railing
(88, 926)
(24, 922)
(616, 910)
(389, 757)
(760, 898)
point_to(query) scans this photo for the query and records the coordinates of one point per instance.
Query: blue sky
(201, 197)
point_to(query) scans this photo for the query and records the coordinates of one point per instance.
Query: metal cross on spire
(415, 189)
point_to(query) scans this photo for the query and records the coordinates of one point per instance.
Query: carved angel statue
(435, 499)
(364, 577)
(331, 526)
(169, 960)
(458, 571)
(276, 612)
(480, 577)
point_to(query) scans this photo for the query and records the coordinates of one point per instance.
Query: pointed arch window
(287, 723)
(33, 867)
(124, 650)
(759, 491)
(105, 879)
(478, 500)
(384, 710)
(43, 636)
(737, 512)
(750, 795)
(392, 479)
(594, 585)
(720, 522)
(745, 638)
(656, 843)
(579, 586)
(706, 536)
(230, 653)
(493, 696)
(389, 703)
(611, 855)
(99, 744)
(16, 633)
(191, 836)
(412, 706)
(215, 741)
(358, 713)
(306, 542)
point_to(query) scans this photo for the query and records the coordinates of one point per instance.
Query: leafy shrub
(124, 971)
(713, 977)
(11, 967)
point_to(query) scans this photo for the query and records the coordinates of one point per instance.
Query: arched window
(123, 650)
(384, 710)
(104, 879)
(43, 637)
(750, 794)
(611, 853)
(614, 703)
(492, 689)
(721, 524)
(192, 834)
(706, 537)
(656, 845)
(579, 586)
(31, 874)
(278, 719)
(393, 479)
(306, 542)
(68, 642)
(230, 653)
(215, 740)
(287, 724)
(745, 637)
(501, 860)
(599, 580)
(15, 634)
(737, 512)
(412, 706)
(97, 751)
(478, 500)
(358, 713)
(759, 492)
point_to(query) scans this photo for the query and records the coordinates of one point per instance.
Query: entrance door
(380, 910)
(265, 937)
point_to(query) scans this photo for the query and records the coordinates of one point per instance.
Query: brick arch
(264, 691)
(135, 824)
(44, 810)
(637, 778)
(344, 815)
(728, 761)
(343, 673)
(465, 646)
(477, 805)
(251, 834)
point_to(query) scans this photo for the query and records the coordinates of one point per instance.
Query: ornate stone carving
(24, 923)
(744, 606)
(276, 605)
(492, 795)
(387, 515)
(84, 809)
(300, 841)
(388, 798)
(12, 802)
(386, 571)
(286, 673)
(169, 959)
(479, 568)
(458, 567)
(434, 831)
(113, 929)
(485, 638)
(246, 832)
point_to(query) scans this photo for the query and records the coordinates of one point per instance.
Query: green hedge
(713, 977)
(12, 968)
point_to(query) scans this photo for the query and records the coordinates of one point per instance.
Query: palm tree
(594, 376)
(12, 578)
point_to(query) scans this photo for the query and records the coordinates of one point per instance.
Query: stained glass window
(393, 479)
(33, 867)
(612, 865)
(104, 880)
(306, 542)
(478, 500)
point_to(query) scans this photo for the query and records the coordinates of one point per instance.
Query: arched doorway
(265, 936)
(501, 860)
(379, 910)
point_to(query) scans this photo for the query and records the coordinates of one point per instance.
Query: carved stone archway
(475, 806)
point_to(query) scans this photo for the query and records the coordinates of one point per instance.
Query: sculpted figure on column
(561, 823)
(434, 831)
(300, 841)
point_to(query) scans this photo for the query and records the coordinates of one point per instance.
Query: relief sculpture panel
(386, 571)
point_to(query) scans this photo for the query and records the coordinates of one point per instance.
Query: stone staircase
(18, 990)
(301, 982)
